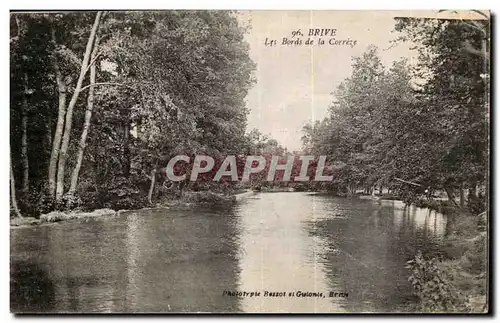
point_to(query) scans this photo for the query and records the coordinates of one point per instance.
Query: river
(185, 260)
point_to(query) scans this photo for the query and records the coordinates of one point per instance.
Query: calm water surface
(183, 260)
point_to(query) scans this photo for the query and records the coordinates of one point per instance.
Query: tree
(426, 124)
(13, 193)
(56, 142)
(165, 83)
(88, 116)
(69, 111)
(456, 53)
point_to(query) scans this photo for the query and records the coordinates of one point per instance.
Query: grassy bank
(456, 282)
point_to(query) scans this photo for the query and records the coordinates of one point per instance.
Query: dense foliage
(99, 100)
(426, 124)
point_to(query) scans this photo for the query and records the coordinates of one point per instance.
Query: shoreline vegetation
(456, 280)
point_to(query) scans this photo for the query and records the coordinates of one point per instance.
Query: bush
(435, 288)
(39, 202)
(477, 204)
(474, 259)
(36, 202)
(45, 204)
(118, 193)
(69, 202)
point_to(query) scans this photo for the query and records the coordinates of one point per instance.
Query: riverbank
(58, 216)
(457, 280)
(188, 200)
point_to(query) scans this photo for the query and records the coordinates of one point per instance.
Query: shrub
(474, 259)
(435, 288)
(45, 204)
(69, 202)
(118, 193)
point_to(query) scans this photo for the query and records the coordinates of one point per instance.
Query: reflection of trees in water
(430, 221)
(277, 255)
(141, 262)
(181, 262)
(420, 229)
(31, 289)
(367, 253)
(84, 261)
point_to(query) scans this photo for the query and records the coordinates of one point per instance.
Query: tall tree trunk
(462, 196)
(56, 142)
(63, 154)
(152, 187)
(49, 128)
(86, 125)
(450, 196)
(24, 138)
(126, 149)
(473, 190)
(13, 192)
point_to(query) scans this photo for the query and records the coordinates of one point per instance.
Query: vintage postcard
(215, 161)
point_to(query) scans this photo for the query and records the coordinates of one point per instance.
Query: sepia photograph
(250, 161)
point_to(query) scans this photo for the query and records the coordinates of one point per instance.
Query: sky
(294, 83)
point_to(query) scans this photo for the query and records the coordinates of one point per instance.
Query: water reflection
(30, 288)
(180, 263)
(183, 260)
(369, 260)
(427, 220)
(319, 243)
(279, 256)
(140, 262)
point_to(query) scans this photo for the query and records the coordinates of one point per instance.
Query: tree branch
(449, 193)
(407, 182)
(467, 46)
(94, 59)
